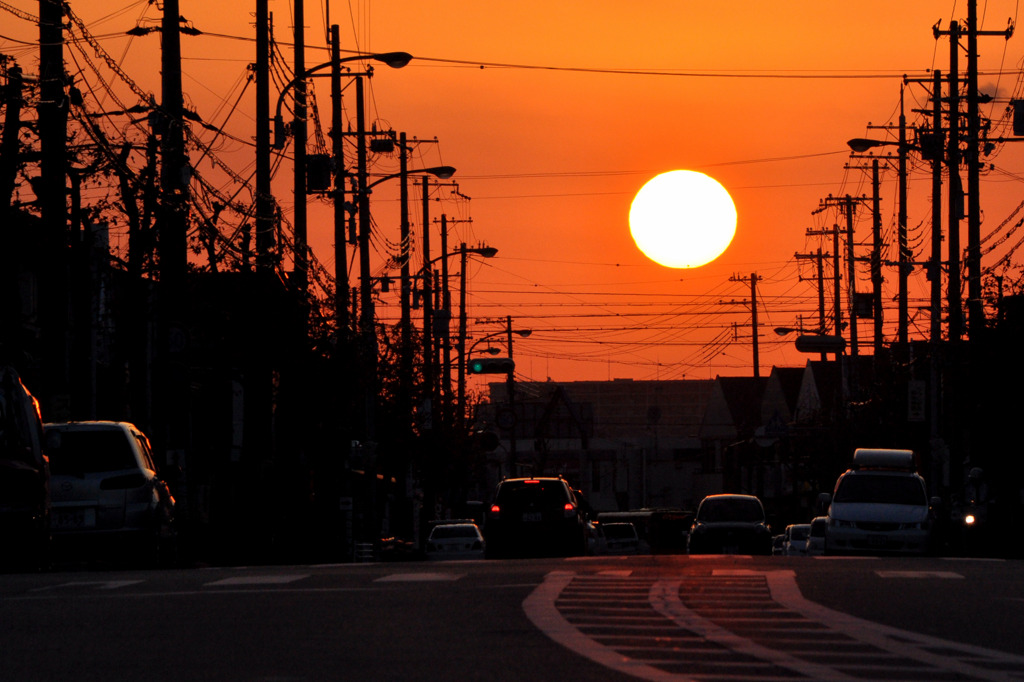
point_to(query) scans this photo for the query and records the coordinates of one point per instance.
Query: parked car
(455, 541)
(779, 544)
(879, 506)
(24, 477)
(620, 538)
(730, 524)
(816, 538)
(535, 516)
(106, 494)
(796, 539)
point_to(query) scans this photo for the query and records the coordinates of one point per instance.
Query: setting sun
(682, 219)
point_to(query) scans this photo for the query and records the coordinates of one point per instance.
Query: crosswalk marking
(740, 623)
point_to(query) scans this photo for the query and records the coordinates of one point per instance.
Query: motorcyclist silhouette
(975, 514)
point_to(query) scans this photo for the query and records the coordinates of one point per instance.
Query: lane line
(905, 643)
(541, 610)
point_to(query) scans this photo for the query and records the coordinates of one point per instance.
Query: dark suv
(535, 516)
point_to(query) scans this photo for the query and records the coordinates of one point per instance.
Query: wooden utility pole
(876, 257)
(300, 130)
(264, 198)
(173, 386)
(52, 195)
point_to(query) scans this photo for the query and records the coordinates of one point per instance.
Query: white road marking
(919, 574)
(419, 577)
(98, 584)
(257, 580)
(739, 622)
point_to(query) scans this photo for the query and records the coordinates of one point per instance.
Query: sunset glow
(554, 114)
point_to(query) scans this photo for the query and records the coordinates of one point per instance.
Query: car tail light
(569, 509)
(495, 510)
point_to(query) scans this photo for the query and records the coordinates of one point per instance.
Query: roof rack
(879, 458)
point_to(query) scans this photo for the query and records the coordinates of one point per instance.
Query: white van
(879, 506)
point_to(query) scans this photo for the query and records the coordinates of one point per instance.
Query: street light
(396, 60)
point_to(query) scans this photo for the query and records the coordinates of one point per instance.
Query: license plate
(876, 540)
(73, 519)
(532, 517)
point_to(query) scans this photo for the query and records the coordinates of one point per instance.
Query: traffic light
(491, 365)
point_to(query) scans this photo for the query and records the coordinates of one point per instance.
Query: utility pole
(54, 287)
(820, 277)
(756, 360)
(976, 311)
(173, 245)
(264, 198)
(956, 196)
(300, 130)
(428, 306)
(341, 283)
(903, 255)
(876, 257)
(847, 203)
(367, 327)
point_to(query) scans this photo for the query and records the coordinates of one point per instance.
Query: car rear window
(800, 533)
(620, 531)
(731, 509)
(447, 532)
(85, 452)
(881, 489)
(540, 494)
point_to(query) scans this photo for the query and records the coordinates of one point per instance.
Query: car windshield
(92, 451)
(448, 532)
(731, 509)
(881, 490)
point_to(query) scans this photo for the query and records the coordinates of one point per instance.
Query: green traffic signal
(491, 366)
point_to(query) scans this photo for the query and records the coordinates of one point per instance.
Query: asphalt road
(606, 618)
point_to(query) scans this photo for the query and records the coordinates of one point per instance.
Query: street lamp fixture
(395, 60)
(442, 172)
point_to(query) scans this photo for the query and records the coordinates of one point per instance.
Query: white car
(105, 490)
(797, 536)
(816, 540)
(879, 506)
(455, 541)
(620, 538)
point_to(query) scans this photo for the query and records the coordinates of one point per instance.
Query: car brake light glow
(495, 509)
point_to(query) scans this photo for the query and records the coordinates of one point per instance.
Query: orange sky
(761, 96)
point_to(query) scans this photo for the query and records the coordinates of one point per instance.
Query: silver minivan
(879, 506)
